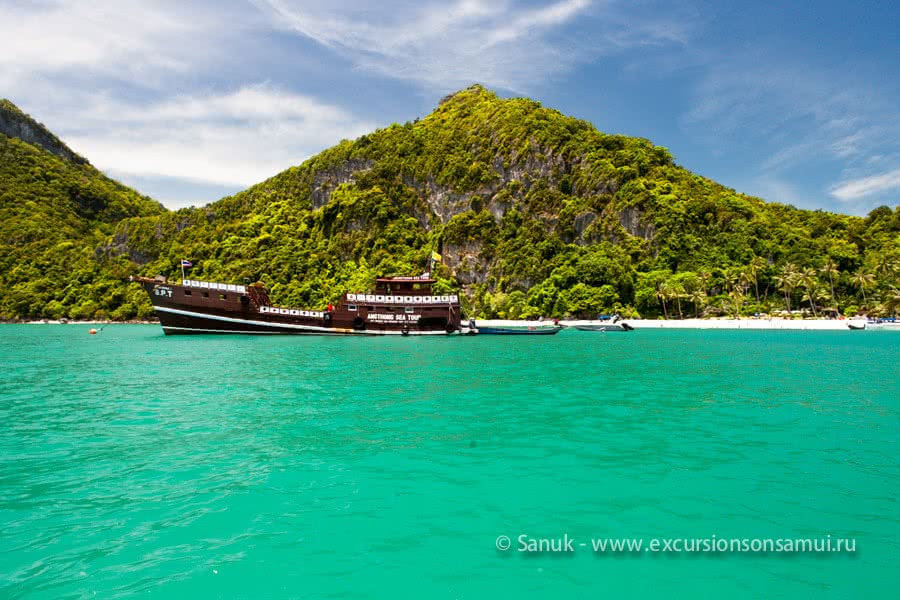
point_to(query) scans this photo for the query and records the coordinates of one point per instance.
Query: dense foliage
(534, 213)
(54, 214)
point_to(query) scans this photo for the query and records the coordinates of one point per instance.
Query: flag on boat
(186, 263)
(435, 256)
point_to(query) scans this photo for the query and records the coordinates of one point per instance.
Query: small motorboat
(608, 326)
(604, 323)
(515, 328)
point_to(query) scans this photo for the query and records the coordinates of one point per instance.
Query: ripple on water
(249, 467)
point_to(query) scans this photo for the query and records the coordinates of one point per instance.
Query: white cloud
(500, 43)
(235, 138)
(526, 22)
(150, 90)
(855, 189)
(849, 145)
(761, 97)
(824, 128)
(167, 89)
(775, 189)
(126, 40)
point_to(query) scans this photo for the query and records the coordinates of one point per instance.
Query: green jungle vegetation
(534, 213)
(55, 215)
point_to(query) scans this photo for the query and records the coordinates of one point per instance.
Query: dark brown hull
(188, 309)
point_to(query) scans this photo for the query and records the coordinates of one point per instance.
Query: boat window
(351, 307)
(223, 297)
(206, 294)
(408, 309)
(187, 292)
(370, 308)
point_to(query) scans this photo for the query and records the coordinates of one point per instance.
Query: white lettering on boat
(389, 317)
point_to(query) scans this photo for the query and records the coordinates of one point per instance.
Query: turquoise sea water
(307, 467)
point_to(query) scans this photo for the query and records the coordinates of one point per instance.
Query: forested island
(534, 214)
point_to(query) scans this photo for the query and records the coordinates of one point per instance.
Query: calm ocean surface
(308, 467)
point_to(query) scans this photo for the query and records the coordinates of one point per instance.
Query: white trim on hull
(311, 329)
(199, 330)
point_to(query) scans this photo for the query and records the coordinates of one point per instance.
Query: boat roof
(417, 279)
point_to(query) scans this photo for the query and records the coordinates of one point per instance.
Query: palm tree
(729, 278)
(757, 264)
(704, 276)
(737, 295)
(678, 293)
(663, 291)
(786, 281)
(830, 268)
(697, 298)
(887, 267)
(807, 278)
(862, 280)
(892, 300)
(816, 294)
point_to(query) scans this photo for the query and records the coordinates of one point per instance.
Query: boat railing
(225, 287)
(294, 312)
(378, 298)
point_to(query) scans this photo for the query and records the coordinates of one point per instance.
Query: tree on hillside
(830, 269)
(698, 298)
(891, 301)
(664, 292)
(807, 278)
(862, 280)
(786, 282)
(757, 264)
(887, 267)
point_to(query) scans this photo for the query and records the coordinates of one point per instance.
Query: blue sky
(795, 102)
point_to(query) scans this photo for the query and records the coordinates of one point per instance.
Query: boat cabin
(407, 286)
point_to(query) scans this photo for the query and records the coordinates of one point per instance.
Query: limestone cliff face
(142, 239)
(630, 220)
(326, 180)
(16, 124)
(468, 260)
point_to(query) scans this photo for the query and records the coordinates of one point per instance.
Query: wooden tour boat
(398, 306)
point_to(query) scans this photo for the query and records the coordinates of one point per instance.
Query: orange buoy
(92, 332)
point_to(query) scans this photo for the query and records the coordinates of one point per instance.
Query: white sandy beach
(794, 324)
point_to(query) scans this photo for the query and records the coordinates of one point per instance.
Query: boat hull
(603, 327)
(518, 330)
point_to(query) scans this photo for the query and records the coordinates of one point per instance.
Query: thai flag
(186, 263)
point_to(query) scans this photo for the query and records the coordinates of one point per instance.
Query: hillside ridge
(534, 213)
(17, 124)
